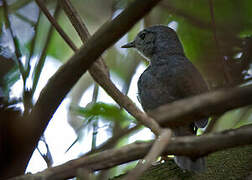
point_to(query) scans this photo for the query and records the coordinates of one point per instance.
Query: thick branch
(201, 106)
(68, 74)
(191, 145)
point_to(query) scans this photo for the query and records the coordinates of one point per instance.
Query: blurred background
(216, 35)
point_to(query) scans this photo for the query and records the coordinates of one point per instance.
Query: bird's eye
(142, 36)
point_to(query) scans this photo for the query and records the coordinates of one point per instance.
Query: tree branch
(29, 131)
(157, 148)
(76, 20)
(100, 75)
(41, 61)
(201, 106)
(55, 24)
(193, 146)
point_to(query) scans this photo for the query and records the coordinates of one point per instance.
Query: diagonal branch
(68, 74)
(42, 58)
(76, 20)
(55, 24)
(193, 146)
(99, 72)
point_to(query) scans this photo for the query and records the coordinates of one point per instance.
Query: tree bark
(235, 163)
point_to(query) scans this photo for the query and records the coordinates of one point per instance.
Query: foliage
(107, 111)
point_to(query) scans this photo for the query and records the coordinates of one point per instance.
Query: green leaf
(109, 112)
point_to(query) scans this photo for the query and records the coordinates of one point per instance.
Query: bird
(170, 76)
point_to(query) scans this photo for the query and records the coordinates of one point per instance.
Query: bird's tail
(186, 163)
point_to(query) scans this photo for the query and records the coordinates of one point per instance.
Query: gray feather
(187, 163)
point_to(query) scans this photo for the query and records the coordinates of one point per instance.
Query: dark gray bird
(170, 76)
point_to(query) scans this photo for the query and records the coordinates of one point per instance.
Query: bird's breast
(157, 88)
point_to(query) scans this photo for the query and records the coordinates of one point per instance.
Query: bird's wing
(190, 83)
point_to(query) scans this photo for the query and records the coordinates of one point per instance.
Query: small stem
(56, 25)
(23, 18)
(95, 93)
(28, 66)
(95, 120)
(94, 134)
(42, 58)
(18, 5)
(104, 80)
(47, 156)
(15, 40)
(227, 76)
(113, 140)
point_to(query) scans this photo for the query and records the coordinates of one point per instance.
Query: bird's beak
(129, 45)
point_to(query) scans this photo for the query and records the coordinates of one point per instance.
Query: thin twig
(227, 76)
(95, 93)
(104, 80)
(84, 35)
(95, 119)
(41, 61)
(18, 5)
(33, 42)
(27, 93)
(47, 156)
(113, 140)
(56, 25)
(68, 74)
(18, 53)
(76, 20)
(194, 146)
(25, 19)
(157, 148)
(15, 40)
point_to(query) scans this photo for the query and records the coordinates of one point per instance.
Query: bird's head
(156, 40)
